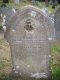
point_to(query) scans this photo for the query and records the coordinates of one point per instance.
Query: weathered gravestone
(8, 12)
(16, 1)
(29, 33)
(57, 24)
(33, 1)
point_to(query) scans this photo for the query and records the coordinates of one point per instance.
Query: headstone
(7, 13)
(33, 1)
(29, 33)
(16, 1)
(50, 2)
(56, 2)
(57, 24)
(0, 11)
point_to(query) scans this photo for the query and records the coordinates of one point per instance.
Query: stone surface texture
(29, 33)
(57, 24)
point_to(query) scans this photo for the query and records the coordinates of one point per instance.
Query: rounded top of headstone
(33, 11)
(35, 14)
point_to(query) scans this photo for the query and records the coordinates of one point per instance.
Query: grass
(56, 61)
(5, 57)
(38, 4)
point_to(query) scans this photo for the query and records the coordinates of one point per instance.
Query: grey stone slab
(16, 1)
(57, 24)
(0, 11)
(8, 12)
(29, 33)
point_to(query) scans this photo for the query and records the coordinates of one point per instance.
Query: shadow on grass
(12, 76)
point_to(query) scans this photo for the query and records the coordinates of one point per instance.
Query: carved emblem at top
(28, 25)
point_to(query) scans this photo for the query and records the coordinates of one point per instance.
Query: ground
(5, 57)
(56, 60)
